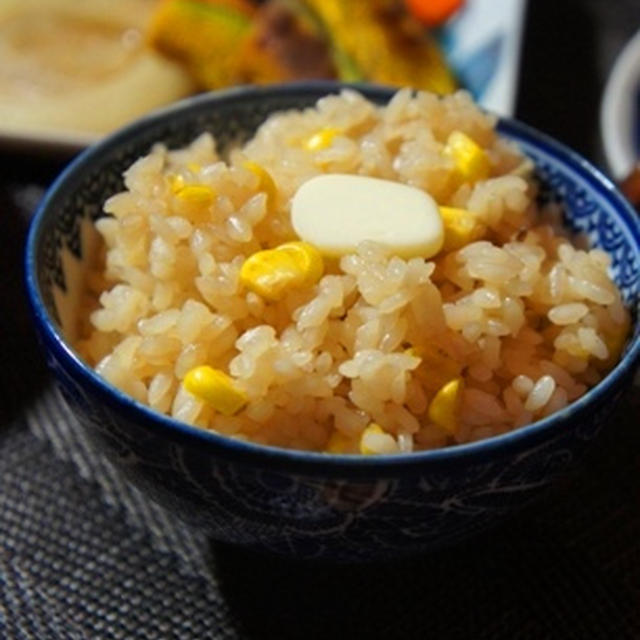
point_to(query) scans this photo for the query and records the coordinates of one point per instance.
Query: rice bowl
(309, 503)
(522, 315)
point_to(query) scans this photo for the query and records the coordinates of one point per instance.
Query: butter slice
(337, 212)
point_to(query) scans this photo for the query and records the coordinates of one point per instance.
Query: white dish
(620, 111)
(72, 71)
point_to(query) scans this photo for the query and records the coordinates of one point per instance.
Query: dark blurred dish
(228, 42)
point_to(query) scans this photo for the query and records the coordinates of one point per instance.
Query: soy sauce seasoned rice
(380, 354)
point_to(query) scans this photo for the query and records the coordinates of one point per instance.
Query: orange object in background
(433, 12)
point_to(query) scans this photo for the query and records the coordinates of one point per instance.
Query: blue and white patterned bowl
(301, 503)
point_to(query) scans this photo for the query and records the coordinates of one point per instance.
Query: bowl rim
(302, 461)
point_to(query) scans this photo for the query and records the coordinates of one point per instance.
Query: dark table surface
(84, 556)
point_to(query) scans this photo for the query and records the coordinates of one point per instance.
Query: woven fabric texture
(83, 555)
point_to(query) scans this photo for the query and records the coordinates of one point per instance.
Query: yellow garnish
(472, 162)
(215, 388)
(270, 273)
(444, 408)
(308, 259)
(193, 201)
(265, 182)
(372, 430)
(322, 139)
(375, 440)
(460, 228)
(273, 272)
(196, 194)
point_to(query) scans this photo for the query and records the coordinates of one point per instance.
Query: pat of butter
(336, 212)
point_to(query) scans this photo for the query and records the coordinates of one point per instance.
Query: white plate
(73, 70)
(620, 111)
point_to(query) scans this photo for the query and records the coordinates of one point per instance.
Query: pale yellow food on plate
(79, 68)
(210, 308)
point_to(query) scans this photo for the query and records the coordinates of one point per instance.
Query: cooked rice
(525, 318)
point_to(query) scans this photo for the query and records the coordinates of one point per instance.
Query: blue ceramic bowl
(293, 502)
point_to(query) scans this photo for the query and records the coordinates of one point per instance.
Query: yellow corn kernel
(372, 429)
(196, 194)
(338, 443)
(271, 273)
(471, 160)
(265, 182)
(215, 388)
(443, 409)
(308, 259)
(375, 440)
(322, 139)
(176, 182)
(460, 228)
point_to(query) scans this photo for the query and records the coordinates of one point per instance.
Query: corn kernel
(321, 139)
(443, 409)
(196, 194)
(194, 167)
(460, 228)
(471, 160)
(216, 388)
(270, 273)
(338, 443)
(265, 182)
(374, 440)
(308, 259)
(273, 272)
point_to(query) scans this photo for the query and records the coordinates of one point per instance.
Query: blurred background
(73, 71)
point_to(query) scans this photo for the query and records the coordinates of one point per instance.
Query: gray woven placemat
(83, 555)
(83, 550)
